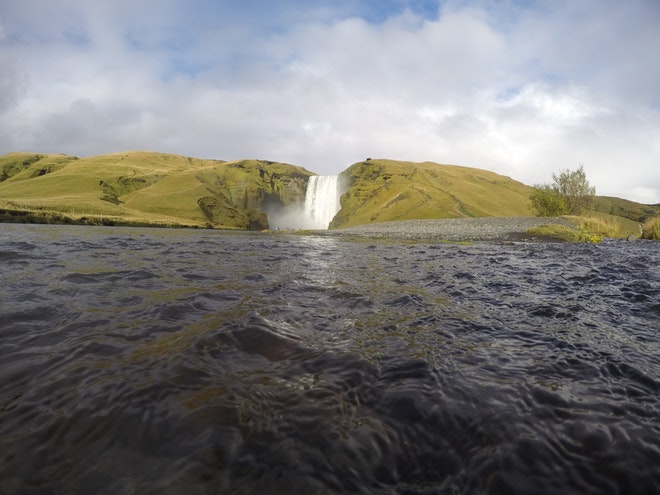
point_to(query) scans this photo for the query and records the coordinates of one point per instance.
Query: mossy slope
(385, 190)
(146, 187)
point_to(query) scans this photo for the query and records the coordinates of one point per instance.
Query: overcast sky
(521, 87)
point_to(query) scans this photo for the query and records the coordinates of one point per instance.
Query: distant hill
(626, 209)
(147, 188)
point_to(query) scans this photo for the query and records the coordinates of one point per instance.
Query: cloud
(523, 89)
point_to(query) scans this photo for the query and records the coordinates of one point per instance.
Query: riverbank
(47, 217)
(454, 229)
(491, 229)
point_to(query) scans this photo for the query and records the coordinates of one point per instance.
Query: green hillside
(385, 190)
(149, 188)
(626, 209)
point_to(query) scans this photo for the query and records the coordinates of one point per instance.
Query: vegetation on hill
(569, 194)
(627, 209)
(386, 190)
(595, 218)
(592, 228)
(651, 229)
(148, 188)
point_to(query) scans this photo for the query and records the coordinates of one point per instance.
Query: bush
(547, 202)
(651, 229)
(570, 193)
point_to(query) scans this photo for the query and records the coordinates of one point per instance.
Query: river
(158, 361)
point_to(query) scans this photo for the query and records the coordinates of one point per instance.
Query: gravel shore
(453, 229)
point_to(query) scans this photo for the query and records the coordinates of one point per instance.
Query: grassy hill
(146, 188)
(384, 190)
(149, 188)
(626, 209)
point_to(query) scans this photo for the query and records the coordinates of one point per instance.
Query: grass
(627, 209)
(651, 229)
(591, 228)
(386, 190)
(556, 232)
(147, 188)
(55, 217)
(596, 228)
(626, 226)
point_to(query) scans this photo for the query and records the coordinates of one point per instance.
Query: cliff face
(385, 190)
(145, 187)
(241, 192)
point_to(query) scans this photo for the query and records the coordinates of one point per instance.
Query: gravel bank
(454, 229)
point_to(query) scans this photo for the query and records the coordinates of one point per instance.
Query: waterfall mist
(320, 206)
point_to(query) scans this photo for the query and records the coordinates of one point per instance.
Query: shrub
(570, 193)
(651, 229)
(547, 202)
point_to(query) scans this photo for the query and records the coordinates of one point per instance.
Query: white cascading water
(322, 200)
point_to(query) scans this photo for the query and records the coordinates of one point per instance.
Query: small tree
(575, 189)
(570, 193)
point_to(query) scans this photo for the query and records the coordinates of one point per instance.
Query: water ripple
(205, 362)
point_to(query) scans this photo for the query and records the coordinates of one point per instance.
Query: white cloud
(524, 92)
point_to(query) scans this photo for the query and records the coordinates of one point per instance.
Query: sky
(524, 88)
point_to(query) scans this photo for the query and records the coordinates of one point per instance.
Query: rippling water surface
(172, 361)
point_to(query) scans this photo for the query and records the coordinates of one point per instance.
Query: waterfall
(316, 212)
(322, 200)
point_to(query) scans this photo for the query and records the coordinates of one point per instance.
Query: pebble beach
(452, 229)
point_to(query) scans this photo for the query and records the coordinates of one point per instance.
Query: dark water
(170, 361)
